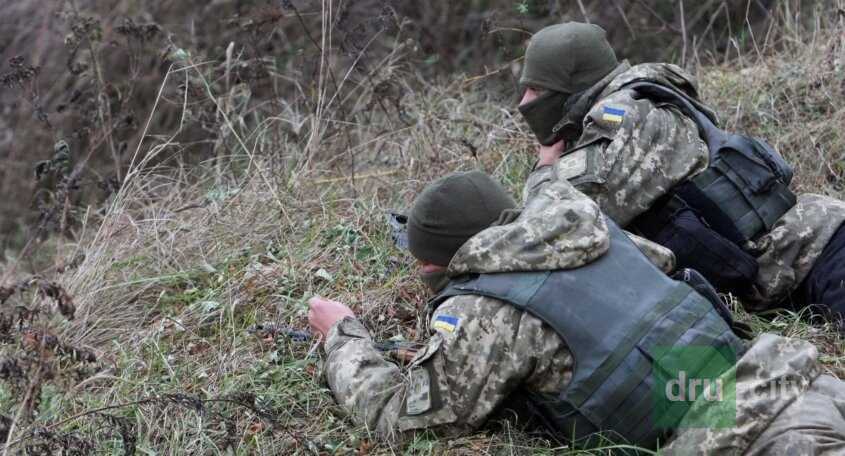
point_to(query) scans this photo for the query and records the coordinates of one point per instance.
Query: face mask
(435, 281)
(543, 114)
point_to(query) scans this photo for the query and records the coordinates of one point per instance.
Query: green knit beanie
(451, 210)
(568, 58)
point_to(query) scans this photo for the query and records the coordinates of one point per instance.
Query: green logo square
(694, 387)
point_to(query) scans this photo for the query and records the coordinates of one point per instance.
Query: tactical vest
(743, 191)
(615, 315)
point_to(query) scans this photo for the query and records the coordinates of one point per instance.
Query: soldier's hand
(549, 154)
(325, 313)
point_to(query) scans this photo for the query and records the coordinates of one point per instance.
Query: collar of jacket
(579, 104)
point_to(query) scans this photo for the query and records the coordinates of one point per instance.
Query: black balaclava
(563, 59)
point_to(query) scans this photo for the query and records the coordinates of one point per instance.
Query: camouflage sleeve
(544, 182)
(539, 177)
(362, 380)
(558, 228)
(660, 256)
(627, 160)
(764, 398)
(792, 247)
(481, 350)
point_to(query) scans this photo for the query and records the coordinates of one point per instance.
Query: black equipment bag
(745, 188)
(696, 246)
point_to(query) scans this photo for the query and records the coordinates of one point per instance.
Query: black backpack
(745, 188)
(711, 220)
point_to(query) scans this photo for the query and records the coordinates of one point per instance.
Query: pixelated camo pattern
(792, 247)
(634, 162)
(784, 406)
(558, 229)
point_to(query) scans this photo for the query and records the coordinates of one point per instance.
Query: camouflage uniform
(492, 349)
(626, 163)
(489, 350)
(784, 407)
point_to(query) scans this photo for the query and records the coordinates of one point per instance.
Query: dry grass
(185, 259)
(100, 62)
(792, 95)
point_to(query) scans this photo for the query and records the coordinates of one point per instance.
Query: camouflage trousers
(784, 406)
(812, 425)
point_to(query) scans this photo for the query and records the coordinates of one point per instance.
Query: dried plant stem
(32, 389)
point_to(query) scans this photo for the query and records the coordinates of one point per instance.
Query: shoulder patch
(613, 114)
(446, 323)
(572, 165)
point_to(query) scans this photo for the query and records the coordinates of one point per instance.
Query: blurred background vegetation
(174, 174)
(80, 77)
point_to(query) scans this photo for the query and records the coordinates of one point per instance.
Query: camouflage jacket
(481, 349)
(633, 151)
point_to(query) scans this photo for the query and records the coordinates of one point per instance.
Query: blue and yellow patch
(614, 115)
(446, 323)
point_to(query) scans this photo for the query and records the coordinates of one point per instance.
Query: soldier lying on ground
(553, 310)
(641, 156)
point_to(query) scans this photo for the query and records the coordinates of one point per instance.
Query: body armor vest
(745, 188)
(614, 329)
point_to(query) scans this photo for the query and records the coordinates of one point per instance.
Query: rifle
(398, 350)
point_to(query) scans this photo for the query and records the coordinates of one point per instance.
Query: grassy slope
(178, 271)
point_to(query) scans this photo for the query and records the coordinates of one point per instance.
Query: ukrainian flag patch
(446, 323)
(614, 115)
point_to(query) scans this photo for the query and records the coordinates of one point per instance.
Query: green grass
(166, 294)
